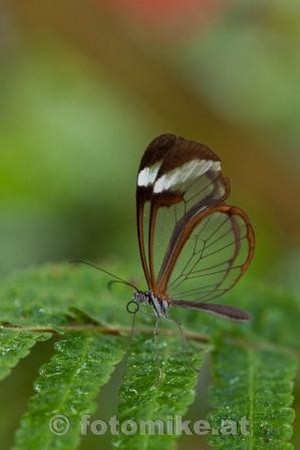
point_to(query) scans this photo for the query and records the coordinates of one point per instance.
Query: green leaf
(254, 384)
(159, 384)
(14, 345)
(159, 380)
(44, 296)
(65, 390)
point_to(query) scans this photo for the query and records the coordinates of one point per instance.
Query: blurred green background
(85, 86)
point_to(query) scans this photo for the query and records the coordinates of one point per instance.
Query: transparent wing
(216, 252)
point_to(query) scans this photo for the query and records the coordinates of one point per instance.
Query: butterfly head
(141, 297)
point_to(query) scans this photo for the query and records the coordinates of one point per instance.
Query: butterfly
(194, 247)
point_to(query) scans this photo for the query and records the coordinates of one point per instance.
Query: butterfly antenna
(120, 280)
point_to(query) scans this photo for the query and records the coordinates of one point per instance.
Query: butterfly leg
(155, 329)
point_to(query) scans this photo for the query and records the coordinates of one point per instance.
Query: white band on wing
(189, 171)
(147, 176)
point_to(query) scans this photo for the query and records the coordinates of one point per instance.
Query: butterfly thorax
(159, 305)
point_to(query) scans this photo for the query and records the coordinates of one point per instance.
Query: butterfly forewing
(192, 245)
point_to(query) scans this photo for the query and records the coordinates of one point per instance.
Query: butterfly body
(208, 245)
(159, 305)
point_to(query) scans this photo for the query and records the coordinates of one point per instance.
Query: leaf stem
(114, 331)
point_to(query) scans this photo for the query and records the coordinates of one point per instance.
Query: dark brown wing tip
(157, 149)
(164, 137)
(165, 140)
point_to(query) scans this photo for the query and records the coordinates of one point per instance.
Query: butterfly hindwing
(214, 250)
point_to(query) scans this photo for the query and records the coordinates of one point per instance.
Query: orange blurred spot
(167, 14)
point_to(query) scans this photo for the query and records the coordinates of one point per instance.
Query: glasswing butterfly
(194, 247)
(208, 244)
